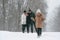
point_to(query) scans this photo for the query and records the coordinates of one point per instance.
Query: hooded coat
(39, 19)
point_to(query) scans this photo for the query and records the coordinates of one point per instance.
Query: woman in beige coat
(39, 21)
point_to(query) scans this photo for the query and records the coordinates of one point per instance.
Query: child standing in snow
(39, 21)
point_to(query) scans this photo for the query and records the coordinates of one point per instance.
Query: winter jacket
(29, 17)
(39, 19)
(23, 19)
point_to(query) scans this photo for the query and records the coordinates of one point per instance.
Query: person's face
(29, 11)
(24, 12)
(40, 14)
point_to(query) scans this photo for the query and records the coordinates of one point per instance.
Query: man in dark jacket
(30, 21)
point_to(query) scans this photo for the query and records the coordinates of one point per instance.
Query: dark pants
(27, 28)
(31, 24)
(34, 26)
(39, 31)
(23, 27)
(31, 27)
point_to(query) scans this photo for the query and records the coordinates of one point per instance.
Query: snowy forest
(11, 10)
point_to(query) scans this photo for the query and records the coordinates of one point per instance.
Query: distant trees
(12, 10)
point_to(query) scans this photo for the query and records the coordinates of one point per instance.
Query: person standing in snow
(30, 21)
(23, 21)
(39, 21)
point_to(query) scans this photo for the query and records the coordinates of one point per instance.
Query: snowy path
(4, 35)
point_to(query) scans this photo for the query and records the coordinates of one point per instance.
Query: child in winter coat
(39, 21)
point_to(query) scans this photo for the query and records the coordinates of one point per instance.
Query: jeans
(31, 24)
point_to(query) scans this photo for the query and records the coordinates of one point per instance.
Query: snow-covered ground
(5, 35)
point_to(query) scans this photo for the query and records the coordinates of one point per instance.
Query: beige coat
(39, 20)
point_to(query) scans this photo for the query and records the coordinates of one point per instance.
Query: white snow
(5, 35)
